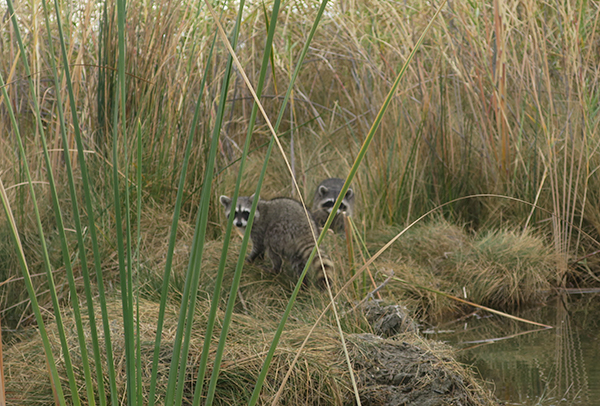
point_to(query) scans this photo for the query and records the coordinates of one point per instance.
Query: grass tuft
(501, 269)
(506, 269)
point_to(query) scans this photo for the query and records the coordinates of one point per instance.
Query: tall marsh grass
(124, 121)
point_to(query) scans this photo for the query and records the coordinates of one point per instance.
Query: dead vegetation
(405, 370)
(504, 269)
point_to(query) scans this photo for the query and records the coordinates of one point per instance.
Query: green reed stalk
(138, 267)
(220, 272)
(267, 56)
(135, 339)
(275, 341)
(80, 236)
(206, 188)
(131, 344)
(180, 349)
(173, 233)
(61, 229)
(124, 264)
(23, 263)
(64, 245)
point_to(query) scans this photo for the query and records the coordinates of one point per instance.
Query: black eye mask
(329, 204)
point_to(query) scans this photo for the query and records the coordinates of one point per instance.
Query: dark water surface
(558, 366)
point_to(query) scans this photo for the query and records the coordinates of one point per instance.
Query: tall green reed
(175, 387)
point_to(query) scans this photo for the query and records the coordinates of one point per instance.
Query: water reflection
(528, 366)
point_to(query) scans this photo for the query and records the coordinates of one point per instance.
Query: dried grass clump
(412, 371)
(500, 269)
(425, 304)
(505, 269)
(320, 377)
(427, 244)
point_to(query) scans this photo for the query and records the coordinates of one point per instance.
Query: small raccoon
(325, 197)
(282, 230)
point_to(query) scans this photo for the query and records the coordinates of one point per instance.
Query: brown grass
(320, 376)
(504, 270)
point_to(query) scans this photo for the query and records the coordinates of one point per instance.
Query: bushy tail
(322, 271)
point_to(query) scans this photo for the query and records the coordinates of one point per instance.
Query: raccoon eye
(329, 204)
(342, 207)
(245, 215)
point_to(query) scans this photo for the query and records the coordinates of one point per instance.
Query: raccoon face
(330, 196)
(241, 212)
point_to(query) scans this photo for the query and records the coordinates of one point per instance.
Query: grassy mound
(318, 378)
(409, 365)
(505, 269)
(502, 269)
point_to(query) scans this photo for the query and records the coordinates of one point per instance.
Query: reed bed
(127, 120)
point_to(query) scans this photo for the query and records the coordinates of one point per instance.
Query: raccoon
(282, 230)
(325, 196)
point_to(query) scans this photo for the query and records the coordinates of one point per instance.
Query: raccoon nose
(238, 223)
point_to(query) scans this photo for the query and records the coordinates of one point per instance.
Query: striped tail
(322, 271)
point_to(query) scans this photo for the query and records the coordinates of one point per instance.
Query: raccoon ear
(349, 193)
(323, 190)
(225, 201)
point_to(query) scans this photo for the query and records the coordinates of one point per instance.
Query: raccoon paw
(253, 256)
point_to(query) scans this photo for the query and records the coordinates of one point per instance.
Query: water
(558, 366)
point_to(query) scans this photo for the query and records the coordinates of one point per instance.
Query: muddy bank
(396, 372)
(396, 366)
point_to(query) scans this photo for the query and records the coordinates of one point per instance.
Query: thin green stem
(123, 247)
(24, 268)
(93, 235)
(173, 234)
(267, 55)
(180, 350)
(61, 229)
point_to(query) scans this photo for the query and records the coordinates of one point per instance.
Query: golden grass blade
(537, 196)
(493, 340)
(362, 255)
(510, 316)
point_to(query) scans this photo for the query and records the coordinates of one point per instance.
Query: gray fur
(282, 230)
(325, 196)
